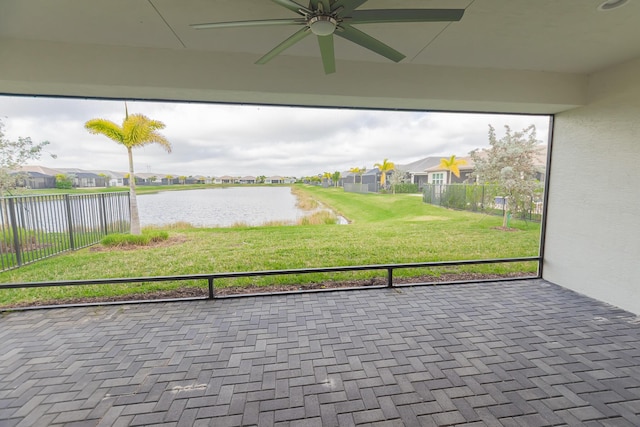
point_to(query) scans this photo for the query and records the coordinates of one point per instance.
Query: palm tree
(359, 172)
(137, 130)
(327, 176)
(335, 178)
(384, 167)
(452, 165)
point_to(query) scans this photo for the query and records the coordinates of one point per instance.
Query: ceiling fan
(324, 18)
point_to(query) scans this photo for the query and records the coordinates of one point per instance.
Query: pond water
(221, 207)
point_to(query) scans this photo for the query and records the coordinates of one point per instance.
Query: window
(437, 178)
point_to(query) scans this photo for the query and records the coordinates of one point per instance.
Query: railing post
(390, 277)
(14, 227)
(103, 214)
(67, 201)
(211, 288)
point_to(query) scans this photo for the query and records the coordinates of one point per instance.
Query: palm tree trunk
(133, 200)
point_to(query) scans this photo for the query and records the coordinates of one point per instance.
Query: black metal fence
(36, 227)
(479, 198)
(211, 277)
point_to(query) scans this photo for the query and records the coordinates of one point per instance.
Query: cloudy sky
(220, 139)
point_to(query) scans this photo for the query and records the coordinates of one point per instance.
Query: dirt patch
(193, 292)
(174, 239)
(6, 248)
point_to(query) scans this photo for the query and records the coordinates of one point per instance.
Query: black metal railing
(37, 227)
(211, 277)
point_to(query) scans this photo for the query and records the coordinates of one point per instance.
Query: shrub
(147, 237)
(406, 188)
(64, 182)
(320, 217)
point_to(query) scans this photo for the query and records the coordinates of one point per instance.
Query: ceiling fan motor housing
(322, 25)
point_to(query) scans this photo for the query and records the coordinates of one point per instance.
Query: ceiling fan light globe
(322, 25)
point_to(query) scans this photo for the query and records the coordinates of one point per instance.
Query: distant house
(418, 170)
(226, 179)
(274, 180)
(84, 178)
(36, 180)
(43, 177)
(112, 178)
(372, 179)
(40, 176)
(88, 179)
(247, 180)
(348, 178)
(173, 180)
(438, 175)
(196, 180)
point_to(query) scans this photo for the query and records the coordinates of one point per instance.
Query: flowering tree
(509, 164)
(14, 155)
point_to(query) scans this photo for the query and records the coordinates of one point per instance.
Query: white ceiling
(504, 55)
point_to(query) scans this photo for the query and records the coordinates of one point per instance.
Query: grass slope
(384, 229)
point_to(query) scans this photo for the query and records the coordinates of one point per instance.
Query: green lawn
(384, 229)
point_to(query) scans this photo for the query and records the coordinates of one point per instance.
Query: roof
(109, 173)
(468, 166)
(32, 174)
(372, 171)
(42, 170)
(420, 165)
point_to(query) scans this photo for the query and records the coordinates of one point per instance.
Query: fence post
(390, 277)
(14, 227)
(103, 214)
(67, 201)
(211, 288)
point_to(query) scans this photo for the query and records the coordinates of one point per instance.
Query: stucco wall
(593, 229)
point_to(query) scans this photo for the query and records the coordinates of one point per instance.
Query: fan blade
(262, 23)
(295, 38)
(293, 6)
(350, 33)
(327, 53)
(372, 16)
(347, 6)
(316, 4)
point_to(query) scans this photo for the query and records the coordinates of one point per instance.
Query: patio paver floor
(524, 353)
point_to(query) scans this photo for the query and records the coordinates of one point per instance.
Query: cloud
(219, 139)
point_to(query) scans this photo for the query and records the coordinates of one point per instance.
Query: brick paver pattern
(524, 353)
